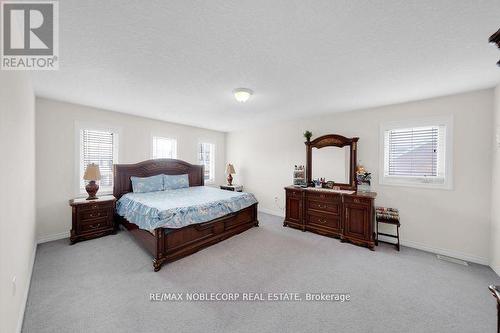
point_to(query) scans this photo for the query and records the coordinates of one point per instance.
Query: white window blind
(164, 147)
(206, 156)
(413, 152)
(97, 147)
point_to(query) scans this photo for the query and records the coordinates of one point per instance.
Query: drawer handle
(95, 215)
(356, 200)
(95, 226)
(321, 221)
(322, 206)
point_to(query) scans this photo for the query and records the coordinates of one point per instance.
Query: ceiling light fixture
(242, 94)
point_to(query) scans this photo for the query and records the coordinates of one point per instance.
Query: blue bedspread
(181, 207)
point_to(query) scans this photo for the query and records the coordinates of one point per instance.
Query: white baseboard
(271, 212)
(495, 269)
(415, 245)
(20, 319)
(445, 252)
(49, 238)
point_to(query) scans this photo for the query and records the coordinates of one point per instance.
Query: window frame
(79, 126)
(211, 180)
(155, 135)
(418, 181)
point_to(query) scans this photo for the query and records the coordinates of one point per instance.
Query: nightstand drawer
(96, 206)
(94, 214)
(96, 224)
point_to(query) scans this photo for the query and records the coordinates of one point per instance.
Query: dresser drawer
(357, 200)
(96, 224)
(323, 220)
(293, 194)
(323, 196)
(325, 206)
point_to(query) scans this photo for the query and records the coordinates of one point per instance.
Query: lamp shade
(92, 172)
(230, 169)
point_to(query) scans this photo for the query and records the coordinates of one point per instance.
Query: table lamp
(230, 171)
(92, 173)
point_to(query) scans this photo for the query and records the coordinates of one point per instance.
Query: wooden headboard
(123, 172)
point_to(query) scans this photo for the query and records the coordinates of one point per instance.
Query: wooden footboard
(167, 245)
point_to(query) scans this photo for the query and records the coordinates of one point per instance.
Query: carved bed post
(256, 223)
(157, 261)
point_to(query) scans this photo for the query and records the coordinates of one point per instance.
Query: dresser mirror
(331, 163)
(332, 157)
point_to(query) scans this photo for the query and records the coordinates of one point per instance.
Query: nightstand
(92, 218)
(235, 188)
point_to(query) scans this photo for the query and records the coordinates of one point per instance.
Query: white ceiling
(180, 60)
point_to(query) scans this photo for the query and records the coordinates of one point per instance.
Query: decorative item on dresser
(234, 188)
(230, 171)
(338, 210)
(92, 174)
(299, 175)
(92, 218)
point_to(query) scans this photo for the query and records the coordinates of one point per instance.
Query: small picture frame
(329, 184)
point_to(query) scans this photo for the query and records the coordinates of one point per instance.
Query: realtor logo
(30, 35)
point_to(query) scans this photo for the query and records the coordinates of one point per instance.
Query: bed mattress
(182, 207)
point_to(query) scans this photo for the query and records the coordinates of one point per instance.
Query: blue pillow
(147, 184)
(173, 182)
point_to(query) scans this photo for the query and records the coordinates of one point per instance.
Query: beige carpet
(103, 285)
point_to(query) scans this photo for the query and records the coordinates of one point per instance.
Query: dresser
(92, 218)
(349, 217)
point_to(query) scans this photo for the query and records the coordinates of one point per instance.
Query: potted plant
(307, 135)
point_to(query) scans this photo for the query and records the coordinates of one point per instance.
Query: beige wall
(452, 222)
(495, 193)
(17, 197)
(56, 157)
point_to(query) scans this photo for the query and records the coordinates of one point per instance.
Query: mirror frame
(337, 141)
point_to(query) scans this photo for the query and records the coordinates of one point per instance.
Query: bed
(174, 227)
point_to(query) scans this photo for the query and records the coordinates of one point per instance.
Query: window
(206, 156)
(417, 153)
(164, 147)
(99, 147)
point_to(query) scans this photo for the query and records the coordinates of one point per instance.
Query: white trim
(53, 237)
(271, 212)
(447, 121)
(79, 125)
(495, 269)
(20, 319)
(214, 170)
(445, 252)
